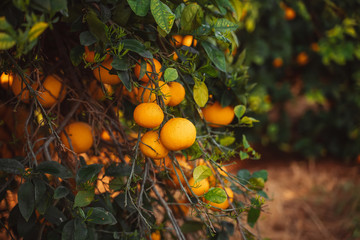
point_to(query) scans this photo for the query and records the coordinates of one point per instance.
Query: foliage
(306, 67)
(113, 191)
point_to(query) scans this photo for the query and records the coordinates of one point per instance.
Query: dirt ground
(309, 200)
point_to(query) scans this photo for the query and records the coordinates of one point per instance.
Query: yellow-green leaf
(201, 94)
(201, 172)
(6, 41)
(37, 30)
(162, 14)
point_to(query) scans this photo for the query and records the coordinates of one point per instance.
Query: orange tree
(305, 57)
(118, 118)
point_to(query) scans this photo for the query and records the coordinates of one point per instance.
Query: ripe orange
(195, 42)
(97, 92)
(18, 86)
(178, 134)
(290, 14)
(80, 134)
(278, 62)
(156, 235)
(175, 56)
(217, 115)
(103, 75)
(177, 93)
(90, 55)
(199, 188)
(187, 40)
(147, 93)
(315, 47)
(148, 115)
(225, 204)
(176, 40)
(6, 80)
(151, 145)
(52, 91)
(149, 71)
(302, 59)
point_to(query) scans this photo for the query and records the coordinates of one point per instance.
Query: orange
(156, 235)
(80, 134)
(175, 56)
(225, 204)
(315, 47)
(151, 145)
(187, 40)
(97, 92)
(162, 163)
(177, 93)
(18, 86)
(149, 70)
(195, 42)
(290, 14)
(217, 115)
(199, 188)
(148, 115)
(277, 62)
(147, 93)
(6, 80)
(302, 59)
(176, 40)
(103, 75)
(90, 55)
(52, 91)
(222, 172)
(178, 134)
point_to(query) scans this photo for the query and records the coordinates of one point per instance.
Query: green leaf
(87, 173)
(215, 55)
(223, 25)
(245, 142)
(136, 46)
(256, 183)
(26, 198)
(191, 226)
(54, 168)
(227, 140)
(201, 93)
(54, 215)
(58, 6)
(11, 166)
(248, 121)
(4, 25)
(140, 7)
(253, 216)
(68, 230)
(244, 155)
(162, 14)
(191, 17)
(239, 111)
(201, 172)
(87, 38)
(76, 54)
(261, 174)
(243, 176)
(119, 170)
(84, 198)
(96, 26)
(100, 216)
(216, 195)
(37, 30)
(61, 192)
(80, 229)
(124, 77)
(170, 75)
(121, 64)
(40, 189)
(6, 41)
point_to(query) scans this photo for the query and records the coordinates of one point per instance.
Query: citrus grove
(122, 120)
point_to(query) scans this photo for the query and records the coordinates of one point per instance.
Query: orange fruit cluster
(179, 40)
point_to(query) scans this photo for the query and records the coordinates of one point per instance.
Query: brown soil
(309, 200)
